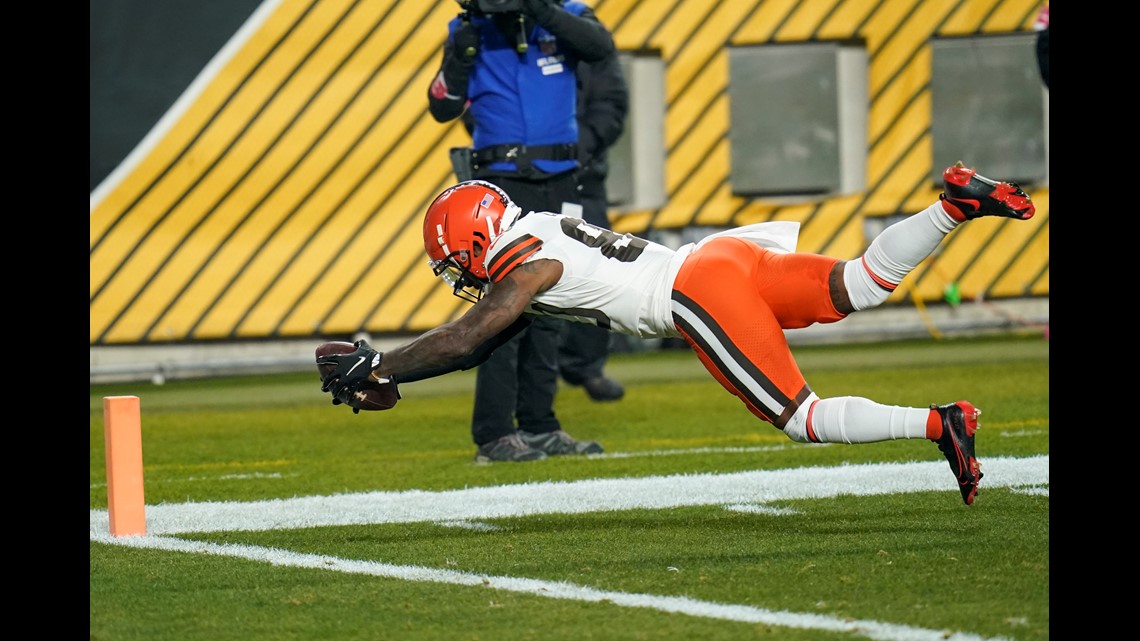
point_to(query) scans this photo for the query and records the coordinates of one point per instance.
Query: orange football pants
(732, 301)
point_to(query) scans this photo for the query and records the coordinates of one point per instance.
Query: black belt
(518, 152)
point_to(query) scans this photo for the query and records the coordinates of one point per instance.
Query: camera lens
(499, 6)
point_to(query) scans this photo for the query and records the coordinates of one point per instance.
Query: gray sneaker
(507, 448)
(559, 442)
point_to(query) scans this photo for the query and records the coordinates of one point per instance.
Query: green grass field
(273, 515)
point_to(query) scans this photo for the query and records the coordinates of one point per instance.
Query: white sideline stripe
(735, 491)
(576, 497)
(876, 630)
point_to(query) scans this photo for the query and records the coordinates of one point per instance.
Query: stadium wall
(280, 198)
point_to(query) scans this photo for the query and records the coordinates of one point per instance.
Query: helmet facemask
(464, 284)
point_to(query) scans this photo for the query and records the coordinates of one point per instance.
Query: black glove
(541, 10)
(337, 401)
(466, 43)
(352, 371)
(345, 398)
(587, 145)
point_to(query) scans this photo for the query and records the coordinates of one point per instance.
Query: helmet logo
(487, 200)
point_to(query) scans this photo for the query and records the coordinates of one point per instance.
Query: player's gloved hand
(541, 10)
(466, 43)
(348, 396)
(352, 371)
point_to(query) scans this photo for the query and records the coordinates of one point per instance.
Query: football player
(730, 296)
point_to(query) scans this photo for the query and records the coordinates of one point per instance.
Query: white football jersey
(616, 281)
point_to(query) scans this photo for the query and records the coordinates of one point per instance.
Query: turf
(918, 559)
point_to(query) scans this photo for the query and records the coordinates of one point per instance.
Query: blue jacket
(525, 98)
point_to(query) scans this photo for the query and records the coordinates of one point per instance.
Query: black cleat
(967, 196)
(959, 422)
(603, 389)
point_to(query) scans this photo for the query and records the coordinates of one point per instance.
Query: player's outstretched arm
(474, 359)
(503, 305)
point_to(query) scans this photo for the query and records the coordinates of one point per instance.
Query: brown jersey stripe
(512, 256)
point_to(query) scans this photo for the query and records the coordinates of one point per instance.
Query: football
(372, 396)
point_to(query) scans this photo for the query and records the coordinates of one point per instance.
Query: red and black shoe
(968, 196)
(959, 422)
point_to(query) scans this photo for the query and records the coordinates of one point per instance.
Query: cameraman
(511, 64)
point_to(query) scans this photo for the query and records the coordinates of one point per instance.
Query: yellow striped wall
(286, 200)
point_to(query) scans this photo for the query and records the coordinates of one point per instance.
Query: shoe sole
(557, 447)
(970, 416)
(584, 452)
(483, 460)
(1000, 192)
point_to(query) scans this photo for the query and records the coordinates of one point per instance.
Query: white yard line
(559, 590)
(575, 497)
(736, 490)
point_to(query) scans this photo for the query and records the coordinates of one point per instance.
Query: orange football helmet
(459, 226)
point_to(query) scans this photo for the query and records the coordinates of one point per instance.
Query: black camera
(493, 6)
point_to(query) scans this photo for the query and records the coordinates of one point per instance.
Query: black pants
(583, 347)
(520, 379)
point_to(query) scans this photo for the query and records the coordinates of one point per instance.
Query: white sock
(851, 419)
(895, 253)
